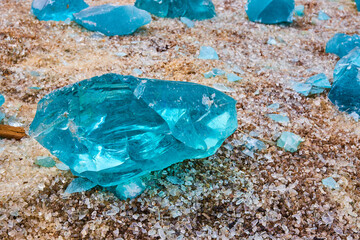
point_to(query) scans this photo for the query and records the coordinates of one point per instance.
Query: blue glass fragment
(80, 185)
(289, 141)
(106, 19)
(192, 9)
(270, 11)
(56, 10)
(175, 180)
(279, 118)
(299, 10)
(2, 99)
(137, 72)
(314, 85)
(271, 41)
(323, 16)
(274, 106)
(345, 90)
(341, 44)
(330, 183)
(319, 80)
(208, 53)
(45, 162)
(302, 88)
(358, 4)
(218, 72)
(131, 189)
(231, 77)
(113, 128)
(187, 22)
(209, 74)
(62, 166)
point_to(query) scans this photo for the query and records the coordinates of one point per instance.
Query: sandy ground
(276, 195)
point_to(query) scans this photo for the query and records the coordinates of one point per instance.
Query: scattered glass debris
(346, 86)
(299, 10)
(121, 54)
(45, 161)
(323, 16)
(80, 185)
(56, 10)
(314, 85)
(208, 53)
(221, 87)
(249, 153)
(341, 44)
(137, 72)
(192, 9)
(271, 41)
(274, 106)
(175, 180)
(103, 18)
(279, 118)
(289, 141)
(131, 189)
(231, 77)
(62, 166)
(187, 22)
(270, 11)
(218, 72)
(113, 128)
(330, 183)
(254, 144)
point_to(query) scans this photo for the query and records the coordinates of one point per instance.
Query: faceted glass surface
(270, 11)
(341, 44)
(112, 20)
(358, 4)
(113, 128)
(192, 9)
(56, 10)
(2, 99)
(208, 53)
(289, 141)
(353, 58)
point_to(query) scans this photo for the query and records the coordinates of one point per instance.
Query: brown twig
(10, 132)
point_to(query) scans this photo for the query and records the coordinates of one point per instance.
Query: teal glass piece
(45, 162)
(209, 74)
(319, 80)
(341, 44)
(113, 128)
(271, 41)
(330, 183)
(274, 106)
(358, 4)
(299, 10)
(270, 11)
(56, 10)
(63, 167)
(302, 88)
(231, 77)
(106, 19)
(187, 22)
(2, 116)
(314, 85)
(208, 53)
(137, 72)
(218, 72)
(175, 180)
(323, 16)
(191, 9)
(2, 99)
(131, 189)
(279, 118)
(80, 185)
(289, 141)
(353, 58)
(254, 144)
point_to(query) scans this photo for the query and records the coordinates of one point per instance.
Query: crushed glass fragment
(289, 141)
(270, 11)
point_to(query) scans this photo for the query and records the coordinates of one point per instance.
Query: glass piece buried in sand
(114, 128)
(270, 11)
(56, 10)
(106, 19)
(289, 141)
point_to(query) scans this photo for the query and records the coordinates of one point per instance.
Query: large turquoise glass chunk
(192, 9)
(345, 90)
(113, 128)
(56, 10)
(341, 44)
(270, 11)
(358, 4)
(113, 20)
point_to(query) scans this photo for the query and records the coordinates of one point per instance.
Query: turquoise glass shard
(323, 16)
(130, 189)
(279, 118)
(231, 77)
(270, 11)
(63, 167)
(192, 9)
(314, 85)
(187, 22)
(112, 20)
(330, 183)
(346, 87)
(341, 44)
(274, 106)
(56, 10)
(113, 128)
(2, 99)
(45, 162)
(289, 141)
(208, 53)
(80, 185)
(299, 10)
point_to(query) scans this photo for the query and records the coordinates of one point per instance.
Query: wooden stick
(10, 132)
